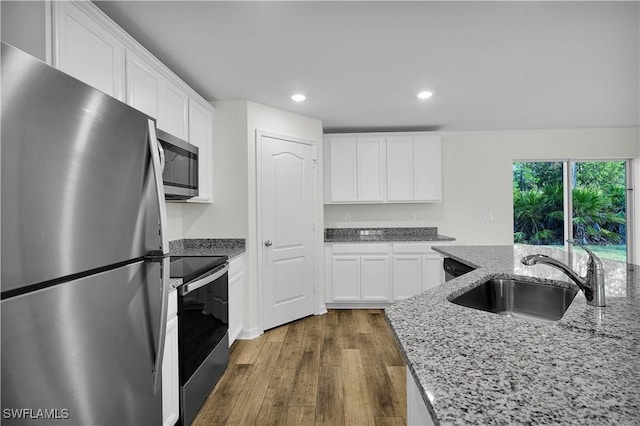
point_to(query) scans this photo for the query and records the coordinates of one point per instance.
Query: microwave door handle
(164, 289)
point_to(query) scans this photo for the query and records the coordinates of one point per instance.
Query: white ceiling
(491, 65)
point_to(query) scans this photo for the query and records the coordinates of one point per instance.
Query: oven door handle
(194, 285)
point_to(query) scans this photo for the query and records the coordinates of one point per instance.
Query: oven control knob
(268, 243)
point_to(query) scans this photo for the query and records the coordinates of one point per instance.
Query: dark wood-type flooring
(341, 368)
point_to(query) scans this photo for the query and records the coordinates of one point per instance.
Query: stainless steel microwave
(180, 175)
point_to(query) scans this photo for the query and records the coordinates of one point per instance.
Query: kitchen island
(476, 367)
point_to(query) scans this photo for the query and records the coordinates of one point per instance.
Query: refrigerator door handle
(156, 155)
(157, 158)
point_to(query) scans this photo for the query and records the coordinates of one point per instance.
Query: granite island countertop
(475, 367)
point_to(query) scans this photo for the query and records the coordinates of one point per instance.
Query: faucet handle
(594, 260)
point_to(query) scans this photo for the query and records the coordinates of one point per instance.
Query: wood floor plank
(277, 334)
(330, 350)
(398, 377)
(386, 341)
(224, 394)
(283, 374)
(390, 421)
(379, 384)
(362, 324)
(273, 410)
(248, 352)
(304, 390)
(330, 404)
(247, 406)
(347, 329)
(300, 416)
(357, 410)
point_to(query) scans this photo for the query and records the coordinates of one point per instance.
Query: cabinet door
(200, 135)
(345, 278)
(427, 168)
(87, 51)
(375, 283)
(342, 163)
(432, 273)
(170, 366)
(370, 169)
(173, 111)
(400, 168)
(143, 85)
(407, 276)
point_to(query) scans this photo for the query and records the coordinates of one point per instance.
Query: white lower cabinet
(236, 297)
(170, 365)
(407, 276)
(360, 274)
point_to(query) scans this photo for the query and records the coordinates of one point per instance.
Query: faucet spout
(592, 284)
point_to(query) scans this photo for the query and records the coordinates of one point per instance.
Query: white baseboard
(250, 334)
(379, 305)
(321, 310)
(234, 335)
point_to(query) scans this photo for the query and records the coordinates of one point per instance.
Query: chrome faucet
(592, 284)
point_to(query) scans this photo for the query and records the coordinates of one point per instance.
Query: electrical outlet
(347, 217)
(488, 216)
(413, 217)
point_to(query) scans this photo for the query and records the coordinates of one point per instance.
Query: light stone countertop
(476, 367)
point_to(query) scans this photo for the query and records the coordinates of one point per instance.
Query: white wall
(25, 26)
(477, 179)
(227, 216)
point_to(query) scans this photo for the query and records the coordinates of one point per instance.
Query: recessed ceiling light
(425, 95)
(298, 97)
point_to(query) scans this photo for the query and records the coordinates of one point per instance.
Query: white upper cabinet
(200, 135)
(343, 172)
(400, 172)
(370, 169)
(86, 50)
(174, 110)
(382, 168)
(427, 164)
(143, 85)
(413, 168)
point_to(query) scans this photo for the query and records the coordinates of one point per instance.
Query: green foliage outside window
(598, 203)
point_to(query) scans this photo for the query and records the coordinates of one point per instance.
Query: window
(593, 212)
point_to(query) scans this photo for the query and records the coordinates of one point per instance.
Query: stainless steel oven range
(203, 323)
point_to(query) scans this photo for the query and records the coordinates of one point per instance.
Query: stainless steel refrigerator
(84, 257)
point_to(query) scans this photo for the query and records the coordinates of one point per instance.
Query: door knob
(268, 243)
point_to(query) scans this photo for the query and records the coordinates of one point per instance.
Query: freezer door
(84, 350)
(78, 191)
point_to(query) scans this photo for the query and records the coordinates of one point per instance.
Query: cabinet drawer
(361, 248)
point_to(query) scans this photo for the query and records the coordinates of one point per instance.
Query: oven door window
(180, 167)
(203, 321)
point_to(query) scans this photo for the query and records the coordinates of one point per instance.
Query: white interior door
(286, 204)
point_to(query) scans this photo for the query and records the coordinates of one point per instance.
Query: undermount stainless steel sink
(518, 299)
